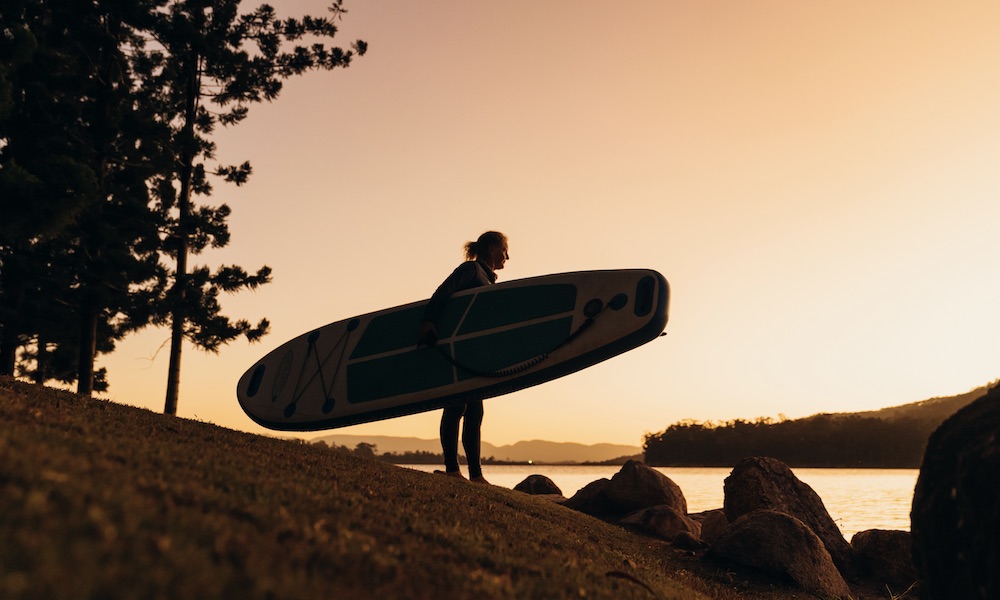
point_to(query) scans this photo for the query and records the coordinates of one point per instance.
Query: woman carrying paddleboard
(484, 257)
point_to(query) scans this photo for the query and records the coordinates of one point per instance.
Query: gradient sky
(819, 182)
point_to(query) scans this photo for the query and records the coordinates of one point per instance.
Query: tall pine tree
(216, 62)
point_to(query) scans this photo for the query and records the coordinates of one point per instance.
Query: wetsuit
(468, 275)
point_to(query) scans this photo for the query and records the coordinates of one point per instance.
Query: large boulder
(762, 483)
(955, 517)
(885, 557)
(538, 485)
(634, 487)
(638, 486)
(784, 547)
(663, 522)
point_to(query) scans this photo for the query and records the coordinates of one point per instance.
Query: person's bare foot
(481, 480)
(455, 474)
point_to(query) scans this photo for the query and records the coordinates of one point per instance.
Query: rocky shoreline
(774, 525)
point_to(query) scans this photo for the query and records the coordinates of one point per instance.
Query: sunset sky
(818, 181)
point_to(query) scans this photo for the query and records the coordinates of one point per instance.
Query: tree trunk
(8, 349)
(88, 350)
(176, 331)
(174, 367)
(179, 292)
(10, 329)
(41, 360)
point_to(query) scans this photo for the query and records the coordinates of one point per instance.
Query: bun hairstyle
(481, 246)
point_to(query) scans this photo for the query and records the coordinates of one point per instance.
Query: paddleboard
(492, 340)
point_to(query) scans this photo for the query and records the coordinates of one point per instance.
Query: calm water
(857, 499)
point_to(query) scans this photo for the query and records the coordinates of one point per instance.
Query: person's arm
(459, 280)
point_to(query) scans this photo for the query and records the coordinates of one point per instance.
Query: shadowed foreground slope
(103, 500)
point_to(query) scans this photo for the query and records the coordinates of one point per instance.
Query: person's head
(491, 248)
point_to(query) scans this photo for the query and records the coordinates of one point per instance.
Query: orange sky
(817, 180)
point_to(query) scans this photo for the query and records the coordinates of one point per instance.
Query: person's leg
(449, 436)
(471, 437)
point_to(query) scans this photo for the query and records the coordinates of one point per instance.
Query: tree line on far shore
(423, 457)
(842, 441)
(414, 457)
(821, 441)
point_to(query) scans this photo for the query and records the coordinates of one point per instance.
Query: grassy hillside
(99, 500)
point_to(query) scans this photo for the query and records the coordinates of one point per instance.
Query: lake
(857, 499)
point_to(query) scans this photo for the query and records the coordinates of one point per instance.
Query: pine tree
(79, 245)
(215, 63)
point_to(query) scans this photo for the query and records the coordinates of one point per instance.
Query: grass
(100, 500)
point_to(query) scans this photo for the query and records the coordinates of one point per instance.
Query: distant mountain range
(535, 450)
(539, 451)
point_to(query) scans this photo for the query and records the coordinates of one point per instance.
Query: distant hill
(893, 437)
(538, 451)
(937, 409)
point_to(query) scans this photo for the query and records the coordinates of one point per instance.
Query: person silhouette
(483, 258)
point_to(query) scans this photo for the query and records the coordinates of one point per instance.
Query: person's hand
(428, 333)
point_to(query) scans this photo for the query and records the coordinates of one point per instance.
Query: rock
(767, 483)
(955, 517)
(885, 557)
(590, 499)
(713, 523)
(663, 522)
(781, 545)
(538, 484)
(634, 487)
(638, 486)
